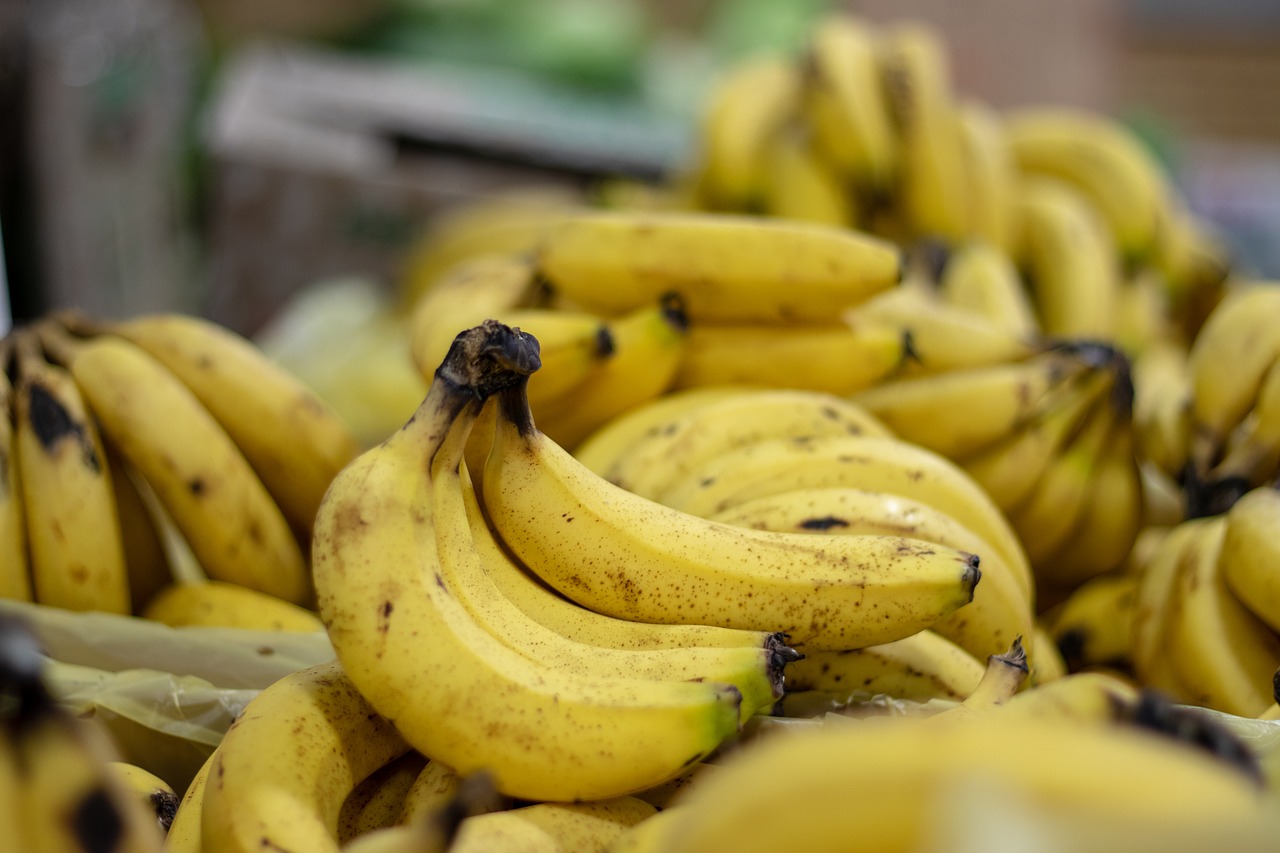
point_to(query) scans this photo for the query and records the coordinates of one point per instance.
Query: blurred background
(222, 156)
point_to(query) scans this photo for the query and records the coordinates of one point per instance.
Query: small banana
(728, 268)
(846, 105)
(982, 278)
(283, 769)
(840, 358)
(15, 571)
(1093, 626)
(73, 527)
(1250, 558)
(154, 793)
(227, 605)
(377, 801)
(660, 564)
(233, 525)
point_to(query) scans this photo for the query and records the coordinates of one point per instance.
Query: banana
(579, 624)
(1091, 698)
(1252, 453)
(10, 798)
(960, 412)
(502, 831)
(1103, 160)
(846, 105)
(507, 223)
(1002, 677)
(1144, 316)
(1152, 612)
(1109, 522)
(983, 278)
(680, 441)
(756, 670)
(285, 766)
(917, 668)
(839, 358)
(1047, 517)
(67, 797)
(862, 462)
(432, 788)
(943, 337)
(659, 564)
(73, 529)
(1001, 606)
(456, 693)
(1093, 626)
(649, 835)
(15, 572)
(1228, 362)
(612, 442)
(145, 557)
(801, 185)
(744, 113)
(1047, 663)
(1009, 470)
(155, 794)
(1163, 504)
(438, 831)
(572, 345)
(728, 268)
(227, 605)
(234, 527)
(880, 784)
(1069, 260)
(991, 176)
(583, 826)
(915, 74)
(1162, 406)
(376, 802)
(649, 344)
(475, 290)
(1195, 262)
(294, 440)
(185, 831)
(1224, 656)
(1250, 558)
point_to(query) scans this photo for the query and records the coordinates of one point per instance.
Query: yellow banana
(1047, 663)
(1080, 697)
(961, 412)
(861, 462)
(917, 668)
(145, 557)
(294, 440)
(1144, 316)
(10, 798)
(1252, 453)
(680, 444)
(571, 344)
(185, 831)
(15, 571)
(991, 176)
(914, 68)
(982, 278)
(846, 105)
(1250, 558)
(73, 529)
(432, 788)
(836, 359)
(1103, 160)
(1152, 611)
(1069, 260)
(648, 346)
(1001, 606)
(456, 693)
(802, 186)
(578, 826)
(376, 802)
(1093, 626)
(155, 794)
(1224, 655)
(285, 766)
(745, 112)
(230, 520)
(1162, 406)
(728, 268)
(227, 605)
(473, 291)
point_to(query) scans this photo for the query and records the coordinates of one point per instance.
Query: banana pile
(160, 466)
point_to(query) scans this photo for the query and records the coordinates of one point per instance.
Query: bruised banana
(455, 691)
(838, 358)
(648, 463)
(660, 564)
(15, 574)
(72, 525)
(1250, 558)
(236, 530)
(728, 268)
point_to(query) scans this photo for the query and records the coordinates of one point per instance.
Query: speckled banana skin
(455, 691)
(631, 557)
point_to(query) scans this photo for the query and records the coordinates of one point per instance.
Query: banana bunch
(159, 463)
(62, 787)
(813, 463)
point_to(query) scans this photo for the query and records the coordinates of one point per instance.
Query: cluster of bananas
(160, 466)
